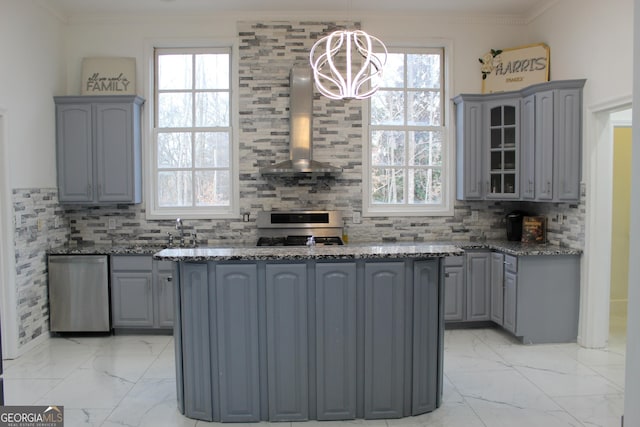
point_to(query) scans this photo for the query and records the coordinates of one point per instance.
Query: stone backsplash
(40, 224)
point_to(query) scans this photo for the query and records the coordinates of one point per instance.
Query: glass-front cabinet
(520, 145)
(502, 149)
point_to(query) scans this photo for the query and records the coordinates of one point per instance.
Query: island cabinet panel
(425, 337)
(287, 355)
(237, 330)
(384, 339)
(262, 340)
(195, 339)
(336, 340)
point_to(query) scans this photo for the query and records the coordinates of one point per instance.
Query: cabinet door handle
(446, 274)
(169, 279)
(548, 186)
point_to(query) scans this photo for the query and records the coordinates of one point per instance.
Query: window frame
(445, 208)
(153, 211)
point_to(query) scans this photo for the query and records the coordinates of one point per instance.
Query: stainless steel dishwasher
(79, 293)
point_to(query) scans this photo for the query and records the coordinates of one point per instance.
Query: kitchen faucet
(180, 227)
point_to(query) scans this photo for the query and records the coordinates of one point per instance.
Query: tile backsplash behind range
(39, 225)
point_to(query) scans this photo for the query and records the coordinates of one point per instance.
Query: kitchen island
(308, 333)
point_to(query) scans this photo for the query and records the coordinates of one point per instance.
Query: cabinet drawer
(511, 263)
(131, 263)
(165, 265)
(454, 261)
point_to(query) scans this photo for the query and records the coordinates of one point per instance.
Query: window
(406, 156)
(192, 147)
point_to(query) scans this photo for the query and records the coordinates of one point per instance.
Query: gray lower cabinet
(384, 345)
(287, 358)
(478, 286)
(454, 286)
(98, 146)
(277, 341)
(510, 293)
(336, 340)
(536, 297)
(141, 292)
(497, 288)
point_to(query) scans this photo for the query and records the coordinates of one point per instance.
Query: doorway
(620, 211)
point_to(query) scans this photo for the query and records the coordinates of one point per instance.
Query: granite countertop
(350, 251)
(105, 249)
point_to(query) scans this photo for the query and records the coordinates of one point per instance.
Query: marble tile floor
(490, 381)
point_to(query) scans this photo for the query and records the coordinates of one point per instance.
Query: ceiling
(516, 8)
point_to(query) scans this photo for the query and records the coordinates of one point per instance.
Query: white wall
(590, 39)
(128, 36)
(632, 373)
(31, 73)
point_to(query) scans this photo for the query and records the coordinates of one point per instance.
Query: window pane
(174, 150)
(212, 188)
(387, 185)
(212, 150)
(423, 71)
(174, 72)
(424, 108)
(393, 74)
(387, 148)
(212, 109)
(212, 71)
(174, 110)
(426, 185)
(387, 108)
(174, 189)
(425, 148)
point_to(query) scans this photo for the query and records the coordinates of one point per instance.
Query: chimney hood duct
(301, 129)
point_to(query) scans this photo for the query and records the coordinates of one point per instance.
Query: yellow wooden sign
(515, 68)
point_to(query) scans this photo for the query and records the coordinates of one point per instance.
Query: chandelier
(345, 64)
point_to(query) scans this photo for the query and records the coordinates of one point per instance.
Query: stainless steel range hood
(301, 130)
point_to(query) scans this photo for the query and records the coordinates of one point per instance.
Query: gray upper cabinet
(544, 131)
(521, 145)
(528, 148)
(558, 128)
(502, 134)
(469, 149)
(98, 145)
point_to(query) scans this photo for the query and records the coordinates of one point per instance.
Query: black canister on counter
(513, 222)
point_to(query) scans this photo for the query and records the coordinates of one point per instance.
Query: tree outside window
(406, 132)
(192, 128)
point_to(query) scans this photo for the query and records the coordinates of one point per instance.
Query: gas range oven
(299, 228)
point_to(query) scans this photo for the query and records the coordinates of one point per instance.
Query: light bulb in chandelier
(346, 64)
